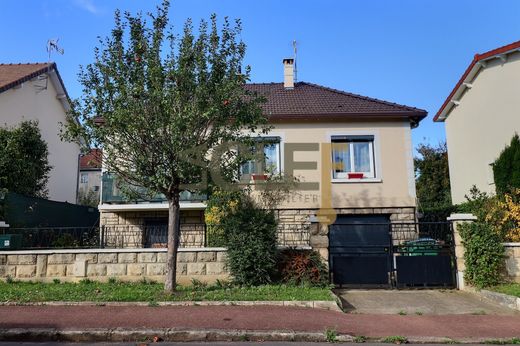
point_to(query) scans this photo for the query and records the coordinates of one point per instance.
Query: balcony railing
(111, 193)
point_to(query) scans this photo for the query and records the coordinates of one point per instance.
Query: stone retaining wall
(207, 264)
(513, 261)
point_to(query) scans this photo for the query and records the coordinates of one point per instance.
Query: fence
(136, 236)
(56, 237)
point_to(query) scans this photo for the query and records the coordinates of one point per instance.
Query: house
(36, 92)
(357, 155)
(90, 174)
(481, 115)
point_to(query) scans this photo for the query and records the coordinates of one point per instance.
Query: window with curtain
(353, 154)
(270, 147)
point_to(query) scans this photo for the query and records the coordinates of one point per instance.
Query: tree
(506, 169)
(24, 166)
(162, 107)
(432, 177)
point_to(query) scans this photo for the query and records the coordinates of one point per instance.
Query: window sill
(357, 181)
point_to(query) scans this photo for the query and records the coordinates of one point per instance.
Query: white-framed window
(353, 157)
(83, 178)
(271, 161)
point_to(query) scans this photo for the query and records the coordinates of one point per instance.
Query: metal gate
(369, 251)
(359, 251)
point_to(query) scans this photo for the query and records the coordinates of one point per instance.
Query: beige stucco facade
(392, 186)
(390, 192)
(482, 124)
(31, 101)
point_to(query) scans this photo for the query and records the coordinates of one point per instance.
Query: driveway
(418, 302)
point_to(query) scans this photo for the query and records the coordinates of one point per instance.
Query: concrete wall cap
(511, 244)
(462, 217)
(125, 250)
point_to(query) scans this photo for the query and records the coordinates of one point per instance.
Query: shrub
(438, 213)
(483, 254)
(502, 213)
(506, 169)
(251, 241)
(220, 205)
(302, 267)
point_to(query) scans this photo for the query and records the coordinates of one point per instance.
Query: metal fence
(192, 235)
(56, 237)
(143, 236)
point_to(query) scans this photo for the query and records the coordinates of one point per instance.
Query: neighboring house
(90, 173)
(481, 115)
(36, 92)
(362, 149)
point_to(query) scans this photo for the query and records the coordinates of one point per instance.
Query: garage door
(360, 250)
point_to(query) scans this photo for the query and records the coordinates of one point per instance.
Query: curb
(505, 300)
(313, 304)
(194, 335)
(144, 335)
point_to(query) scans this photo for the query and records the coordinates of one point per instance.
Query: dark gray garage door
(360, 250)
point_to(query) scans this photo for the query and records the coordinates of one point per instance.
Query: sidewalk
(257, 318)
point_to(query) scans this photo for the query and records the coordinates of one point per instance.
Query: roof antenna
(295, 68)
(52, 45)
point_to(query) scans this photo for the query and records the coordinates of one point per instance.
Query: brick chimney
(288, 73)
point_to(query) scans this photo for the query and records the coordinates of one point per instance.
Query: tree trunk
(173, 243)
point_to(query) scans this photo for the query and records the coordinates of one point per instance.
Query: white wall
(25, 103)
(480, 127)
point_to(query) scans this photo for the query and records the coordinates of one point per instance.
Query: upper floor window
(84, 178)
(353, 157)
(270, 163)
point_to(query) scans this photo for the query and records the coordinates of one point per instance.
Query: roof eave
(418, 116)
(464, 83)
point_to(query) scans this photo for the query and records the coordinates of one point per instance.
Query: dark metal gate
(423, 254)
(359, 251)
(369, 251)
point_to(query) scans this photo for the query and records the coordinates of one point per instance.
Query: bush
(484, 254)
(437, 214)
(250, 234)
(501, 212)
(220, 205)
(506, 169)
(302, 267)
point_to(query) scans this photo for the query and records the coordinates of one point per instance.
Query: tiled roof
(312, 100)
(91, 160)
(12, 75)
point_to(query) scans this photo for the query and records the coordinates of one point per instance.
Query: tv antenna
(52, 46)
(294, 44)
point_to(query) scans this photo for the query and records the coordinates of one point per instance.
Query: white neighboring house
(36, 92)
(481, 115)
(90, 173)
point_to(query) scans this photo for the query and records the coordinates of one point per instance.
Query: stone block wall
(512, 261)
(206, 264)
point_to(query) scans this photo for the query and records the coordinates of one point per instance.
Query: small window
(270, 146)
(84, 178)
(353, 157)
(96, 188)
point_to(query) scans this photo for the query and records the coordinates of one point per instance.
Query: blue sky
(410, 51)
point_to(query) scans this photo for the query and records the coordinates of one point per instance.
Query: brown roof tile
(12, 75)
(308, 100)
(91, 160)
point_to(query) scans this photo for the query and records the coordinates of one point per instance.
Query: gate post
(456, 220)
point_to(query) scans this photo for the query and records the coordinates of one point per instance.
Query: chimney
(288, 73)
